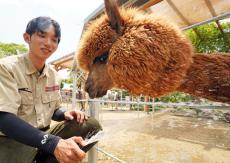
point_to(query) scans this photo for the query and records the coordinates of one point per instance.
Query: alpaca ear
(114, 16)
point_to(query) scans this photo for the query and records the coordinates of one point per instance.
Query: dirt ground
(163, 137)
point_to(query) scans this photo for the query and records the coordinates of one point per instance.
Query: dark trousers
(14, 152)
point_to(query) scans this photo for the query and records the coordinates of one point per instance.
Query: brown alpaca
(209, 77)
(144, 54)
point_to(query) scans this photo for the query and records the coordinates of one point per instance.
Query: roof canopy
(65, 62)
(186, 14)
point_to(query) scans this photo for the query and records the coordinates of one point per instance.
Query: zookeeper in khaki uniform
(30, 98)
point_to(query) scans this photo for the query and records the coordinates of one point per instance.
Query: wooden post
(146, 107)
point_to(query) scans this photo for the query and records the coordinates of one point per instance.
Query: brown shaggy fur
(146, 55)
(209, 77)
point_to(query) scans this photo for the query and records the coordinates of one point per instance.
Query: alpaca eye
(101, 59)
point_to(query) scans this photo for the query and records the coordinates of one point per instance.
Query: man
(30, 98)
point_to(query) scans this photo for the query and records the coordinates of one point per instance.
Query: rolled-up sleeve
(10, 99)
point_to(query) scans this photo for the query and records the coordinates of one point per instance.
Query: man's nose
(48, 42)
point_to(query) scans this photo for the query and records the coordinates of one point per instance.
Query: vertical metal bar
(153, 110)
(138, 107)
(132, 105)
(101, 111)
(74, 91)
(93, 112)
(121, 105)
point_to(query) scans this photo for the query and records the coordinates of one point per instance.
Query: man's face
(42, 44)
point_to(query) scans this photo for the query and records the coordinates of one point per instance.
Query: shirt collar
(46, 70)
(30, 69)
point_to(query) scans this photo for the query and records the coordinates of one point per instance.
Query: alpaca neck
(208, 77)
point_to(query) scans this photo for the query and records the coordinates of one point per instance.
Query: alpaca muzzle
(93, 91)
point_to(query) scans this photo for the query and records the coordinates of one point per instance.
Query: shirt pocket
(27, 104)
(50, 100)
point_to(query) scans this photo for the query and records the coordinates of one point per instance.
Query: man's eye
(55, 40)
(101, 59)
(41, 35)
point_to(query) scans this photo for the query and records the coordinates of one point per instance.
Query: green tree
(68, 80)
(175, 97)
(208, 38)
(7, 49)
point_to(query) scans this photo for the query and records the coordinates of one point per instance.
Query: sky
(15, 14)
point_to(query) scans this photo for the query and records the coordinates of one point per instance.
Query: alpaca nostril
(89, 91)
(101, 93)
(87, 88)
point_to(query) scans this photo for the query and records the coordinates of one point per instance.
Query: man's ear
(26, 37)
(114, 16)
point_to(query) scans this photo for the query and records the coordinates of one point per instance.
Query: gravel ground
(163, 137)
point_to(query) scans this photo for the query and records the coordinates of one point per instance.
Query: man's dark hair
(40, 24)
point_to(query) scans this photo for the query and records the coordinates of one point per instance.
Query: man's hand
(79, 116)
(68, 150)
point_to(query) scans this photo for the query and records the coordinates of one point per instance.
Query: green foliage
(175, 97)
(7, 49)
(125, 93)
(208, 38)
(68, 80)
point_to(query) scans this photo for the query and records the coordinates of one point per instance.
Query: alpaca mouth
(97, 94)
(94, 92)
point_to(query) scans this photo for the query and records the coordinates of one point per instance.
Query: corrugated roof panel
(189, 12)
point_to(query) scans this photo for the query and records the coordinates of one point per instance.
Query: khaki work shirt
(26, 93)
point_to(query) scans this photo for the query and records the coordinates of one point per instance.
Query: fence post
(93, 112)
(146, 107)
(74, 91)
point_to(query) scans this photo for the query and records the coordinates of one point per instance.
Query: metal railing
(96, 104)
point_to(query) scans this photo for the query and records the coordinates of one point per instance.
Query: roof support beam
(183, 18)
(213, 12)
(65, 60)
(149, 4)
(208, 21)
(177, 11)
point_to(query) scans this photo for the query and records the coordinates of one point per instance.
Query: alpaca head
(128, 49)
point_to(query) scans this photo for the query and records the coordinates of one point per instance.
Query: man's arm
(61, 114)
(21, 131)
